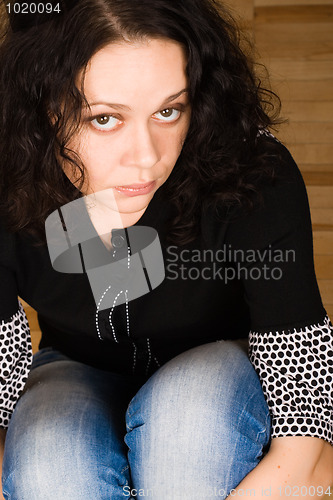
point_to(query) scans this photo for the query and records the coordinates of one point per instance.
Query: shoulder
(280, 175)
(285, 172)
(274, 182)
(280, 202)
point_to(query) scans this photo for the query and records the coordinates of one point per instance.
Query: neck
(105, 217)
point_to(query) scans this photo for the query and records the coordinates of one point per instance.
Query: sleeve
(296, 373)
(15, 342)
(290, 342)
(15, 362)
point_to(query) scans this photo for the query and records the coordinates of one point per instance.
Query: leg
(65, 438)
(198, 426)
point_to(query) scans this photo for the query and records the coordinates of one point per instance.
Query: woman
(118, 116)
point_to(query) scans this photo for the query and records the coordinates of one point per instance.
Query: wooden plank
(322, 227)
(24, 304)
(35, 332)
(242, 8)
(322, 217)
(290, 41)
(306, 133)
(326, 290)
(323, 242)
(318, 178)
(271, 3)
(308, 168)
(35, 339)
(282, 69)
(326, 287)
(324, 267)
(329, 310)
(287, 14)
(320, 196)
(32, 318)
(314, 111)
(313, 154)
(298, 90)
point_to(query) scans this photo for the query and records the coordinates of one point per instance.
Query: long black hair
(39, 65)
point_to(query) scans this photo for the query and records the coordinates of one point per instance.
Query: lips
(136, 189)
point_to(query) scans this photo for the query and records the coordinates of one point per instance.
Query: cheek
(93, 151)
(184, 130)
(175, 141)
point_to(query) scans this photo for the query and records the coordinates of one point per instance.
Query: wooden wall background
(294, 39)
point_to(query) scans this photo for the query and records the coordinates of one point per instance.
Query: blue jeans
(193, 430)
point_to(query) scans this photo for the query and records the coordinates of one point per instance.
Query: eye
(105, 122)
(168, 115)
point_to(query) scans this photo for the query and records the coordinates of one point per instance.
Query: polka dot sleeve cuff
(15, 362)
(296, 372)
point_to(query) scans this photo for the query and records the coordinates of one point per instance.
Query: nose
(141, 148)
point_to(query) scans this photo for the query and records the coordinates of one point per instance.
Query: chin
(133, 204)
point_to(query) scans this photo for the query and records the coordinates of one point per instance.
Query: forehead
(122, 71)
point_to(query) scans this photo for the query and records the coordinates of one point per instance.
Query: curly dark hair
(39, 65)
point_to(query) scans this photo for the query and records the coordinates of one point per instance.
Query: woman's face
(138, 119)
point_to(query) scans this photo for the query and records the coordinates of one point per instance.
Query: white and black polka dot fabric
(296, 372)
(15, 362)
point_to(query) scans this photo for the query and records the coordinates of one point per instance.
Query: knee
(211, 383)
(25, 465)
(216, 371)
(40, 465)
(62, 442)
(47, 466)
(205, 406)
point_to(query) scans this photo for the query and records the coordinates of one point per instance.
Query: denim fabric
(193, 430)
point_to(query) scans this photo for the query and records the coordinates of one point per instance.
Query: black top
(246, 272)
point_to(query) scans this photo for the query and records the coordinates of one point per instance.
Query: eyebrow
(123, 106)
